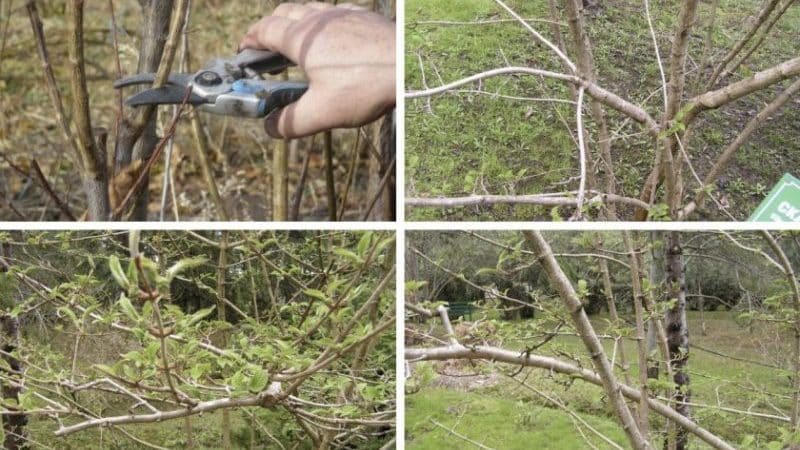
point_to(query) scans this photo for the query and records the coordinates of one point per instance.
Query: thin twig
(330, 181)
(37, 171)
(156, 152)
(294, 211)
(389, 173)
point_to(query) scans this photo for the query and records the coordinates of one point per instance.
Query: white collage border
(400, 227)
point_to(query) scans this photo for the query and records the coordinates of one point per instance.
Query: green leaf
(128, 308)
(413, 285)
(185, 264)
(363, 243)
(316, 293)
(258, 381)
(343, 252)
(199, 315)
(104, 369)
(89, 311)
(198, 370)
(117, 273)
(71, 315)
(239, 381)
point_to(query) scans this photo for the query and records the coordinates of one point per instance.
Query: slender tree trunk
(137, 137)
(638, 300)
(13, 425)
(656, 281)
(701, 303)
(222, 265)
(678, 330)
(794, 285)
(561, 283)
(93, 157)
(587, 69)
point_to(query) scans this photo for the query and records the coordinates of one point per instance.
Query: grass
(467, 143)
(498, 416)
(495, 422)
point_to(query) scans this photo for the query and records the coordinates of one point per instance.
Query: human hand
(347, 53)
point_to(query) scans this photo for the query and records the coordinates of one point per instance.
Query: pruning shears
(228, 86)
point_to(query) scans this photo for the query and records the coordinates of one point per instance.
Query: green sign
(782, 204)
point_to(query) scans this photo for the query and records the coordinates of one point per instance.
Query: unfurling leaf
(117, 273)
(71, 315)
(343, 252)
(184, 265)
(128, 308)
(316, 293)
(199, 315)
(258, 381)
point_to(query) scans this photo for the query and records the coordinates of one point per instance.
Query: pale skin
(348, 55)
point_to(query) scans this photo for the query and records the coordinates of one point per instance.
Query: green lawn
(507, 415)
(469, 143)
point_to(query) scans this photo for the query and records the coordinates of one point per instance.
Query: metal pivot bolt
(208, 78)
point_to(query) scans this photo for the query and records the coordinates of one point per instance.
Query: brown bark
(137, 138)
(734, 91)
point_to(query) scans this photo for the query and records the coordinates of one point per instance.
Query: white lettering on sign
(792, 212)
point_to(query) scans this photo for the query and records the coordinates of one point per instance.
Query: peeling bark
(678, 330)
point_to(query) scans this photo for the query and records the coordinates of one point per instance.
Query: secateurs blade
(228, 86)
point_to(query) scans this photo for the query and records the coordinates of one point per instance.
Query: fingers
(351, 6)
(271, 32)
(297, 11)
(311, 114)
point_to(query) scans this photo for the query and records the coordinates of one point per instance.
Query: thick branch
(535, 199)
(727, 154)
(266, 398)
(561, 283)
(603, 96)
(734, 91)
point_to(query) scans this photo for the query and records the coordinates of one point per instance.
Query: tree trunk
(638, 309)
(137, 137)
(384, 209)
(222, 265)
(678, 330)
(701, 303)
(656, 280)
(13, 425)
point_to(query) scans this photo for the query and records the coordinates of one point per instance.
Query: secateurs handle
(262, 61)
(256, 98)
(282, 95)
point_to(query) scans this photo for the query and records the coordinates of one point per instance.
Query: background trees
(208, 339)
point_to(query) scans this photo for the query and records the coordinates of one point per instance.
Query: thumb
(312, 113)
